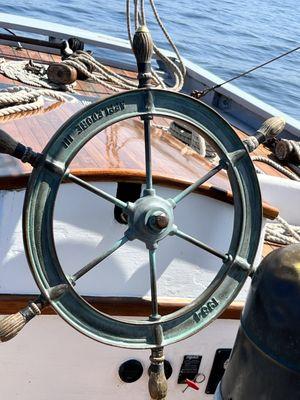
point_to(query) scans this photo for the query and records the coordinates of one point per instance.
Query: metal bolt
(159, 221)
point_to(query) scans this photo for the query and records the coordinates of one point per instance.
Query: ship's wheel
(150, 218)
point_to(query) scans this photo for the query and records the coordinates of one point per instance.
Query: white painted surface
(49, 360)
(283, 194)
(85, 227)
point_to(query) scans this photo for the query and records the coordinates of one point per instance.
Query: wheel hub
(150, 220)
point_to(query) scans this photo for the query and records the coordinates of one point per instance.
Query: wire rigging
(198, 94)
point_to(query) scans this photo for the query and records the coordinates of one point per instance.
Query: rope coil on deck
(84, 63)
(22, 71)
(35, 74)
(21, 99)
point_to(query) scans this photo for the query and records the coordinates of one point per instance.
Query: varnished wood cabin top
(116, 153)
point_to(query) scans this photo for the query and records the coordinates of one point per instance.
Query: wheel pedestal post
(157, 385)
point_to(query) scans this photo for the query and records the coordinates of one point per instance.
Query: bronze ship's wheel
(150, 219)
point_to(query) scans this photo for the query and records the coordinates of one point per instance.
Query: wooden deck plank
(56, 58)
(118, 149)
(88, 86)
(8, 52)
(22, 54)
(34, 55)
(45, 57)
(268, 247)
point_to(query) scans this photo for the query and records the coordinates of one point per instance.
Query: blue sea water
(225, 37)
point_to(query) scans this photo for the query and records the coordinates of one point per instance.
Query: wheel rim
(40, 200)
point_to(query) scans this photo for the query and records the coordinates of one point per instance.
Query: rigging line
(198, 94)
(168, 37)
(10, 31)
(13, 33)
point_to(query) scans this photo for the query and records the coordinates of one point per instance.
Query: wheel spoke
(147, 138)
(203, 246)
(98, 260)
(196, 184)
(154, 303)
(95, 190)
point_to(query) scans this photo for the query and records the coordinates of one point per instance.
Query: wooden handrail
(120, 306)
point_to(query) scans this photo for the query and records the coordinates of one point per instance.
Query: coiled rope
(85, 63)
(22, 71)
(30, 113)
(19, 99)
(280, 231)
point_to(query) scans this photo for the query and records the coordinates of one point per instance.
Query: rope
(168, 37)
(34, 74)
(19, 99)
(140, 17)
(277, 166)
(280, 231)
(23, 71)
(85, 63)
(156, 78)
(32, 105)
(30, 113)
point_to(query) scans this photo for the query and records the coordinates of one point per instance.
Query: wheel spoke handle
(198, 243)
(154, 304)
(98, 260)
(148, 161)
(196, 184)
(95, 190)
